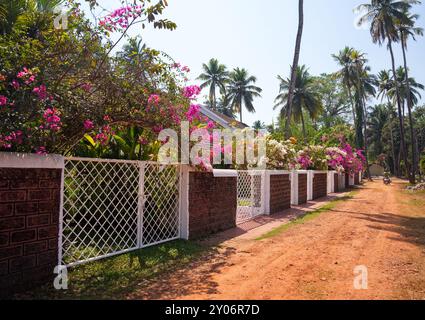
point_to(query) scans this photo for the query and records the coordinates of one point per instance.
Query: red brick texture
(212, 204)
(336, 182)
(320, 185)
(280, 193)
(302, 188)
(29, 215)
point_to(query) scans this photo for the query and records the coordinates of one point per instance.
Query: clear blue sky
(260, 36)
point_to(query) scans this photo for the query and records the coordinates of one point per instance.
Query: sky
(259, 35)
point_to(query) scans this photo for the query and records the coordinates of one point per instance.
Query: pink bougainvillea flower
(157, 129)
(186, 69)
(88, 125)
(52, 120)
(211, 125)
(23, 73)
(107, 118)
(41, 92)
(154, 99)
(191, 91)
(3, 100)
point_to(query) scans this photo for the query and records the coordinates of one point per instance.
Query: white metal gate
(114, 206)
(250, 195)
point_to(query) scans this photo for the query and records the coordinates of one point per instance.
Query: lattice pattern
(112, 206)
(100, 208)
(250, 199)
(161, 206)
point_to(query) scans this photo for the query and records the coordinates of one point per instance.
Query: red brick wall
(29, 220)
(336, 182)
(302, 188)
(319, 185)
(212, 204)
(280, 193)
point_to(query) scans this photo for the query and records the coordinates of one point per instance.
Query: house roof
(221, 119)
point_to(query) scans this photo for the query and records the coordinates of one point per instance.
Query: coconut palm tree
(408, 29)
(346, 73)
(215, 76)
(294, 67)
(241, 91)
(382, 15)
(306, 98)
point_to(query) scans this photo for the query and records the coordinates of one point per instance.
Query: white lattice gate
(250, 195)
(112, 207)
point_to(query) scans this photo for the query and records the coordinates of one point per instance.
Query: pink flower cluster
(154, 99)
(121, 18)
(15, 137)
(193, 113)
(52, 120)
(3, 100)
(304, 161)
(27, 75)
(41, 92)
(88, 125)
(191, 91)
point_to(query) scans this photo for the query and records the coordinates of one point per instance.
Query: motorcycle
(387, 181)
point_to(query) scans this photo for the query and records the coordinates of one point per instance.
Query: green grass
(307, 217)
(115, 277)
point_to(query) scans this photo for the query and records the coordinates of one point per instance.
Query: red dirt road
(381, 228)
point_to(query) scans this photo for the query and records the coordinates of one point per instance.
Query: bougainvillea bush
(65, 91)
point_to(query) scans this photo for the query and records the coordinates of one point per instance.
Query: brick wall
(212, 204)
(29, 220)
(280, 193)
(302, 188)
(336, 182)
(347, 181)
(320, 185)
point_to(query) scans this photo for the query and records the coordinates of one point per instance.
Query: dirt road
(381, 228)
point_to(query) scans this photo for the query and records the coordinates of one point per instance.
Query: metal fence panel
(250, 195)
(114, 206)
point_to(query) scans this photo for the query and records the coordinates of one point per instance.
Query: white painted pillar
(294, 187)
(266, 192)
(310, 177)
(331, 182)
(184, 202)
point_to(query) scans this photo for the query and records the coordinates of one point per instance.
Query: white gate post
(184, 202)
(140, 204)
(266, 193)
(294, 187)
(310, 177)
(351, 180)
(331, 182)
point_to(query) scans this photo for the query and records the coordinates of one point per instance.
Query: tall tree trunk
(365, 140)
(400, 114)
(294, 68)
(353, 107)
(303, 124)
(409, 110)
(393, 152)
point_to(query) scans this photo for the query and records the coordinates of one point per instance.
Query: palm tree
(214, 76)
(384, 84)
(378, 118)
(383, 15)
(294, 68)
(407, 29)
(346, 73)
(259, 125)
(241, 91)
(306, 98)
